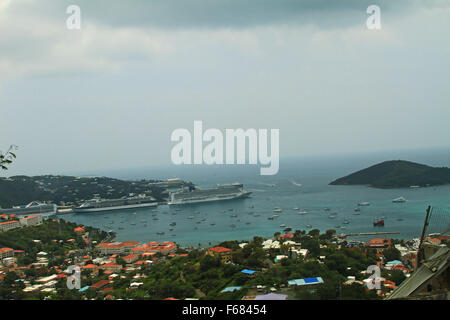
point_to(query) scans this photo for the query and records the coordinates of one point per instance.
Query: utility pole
(420, 255)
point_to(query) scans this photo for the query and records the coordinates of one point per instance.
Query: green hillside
(397, 174)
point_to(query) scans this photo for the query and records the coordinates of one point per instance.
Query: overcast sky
(109, 95)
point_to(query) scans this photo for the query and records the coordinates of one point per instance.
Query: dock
(367, 234)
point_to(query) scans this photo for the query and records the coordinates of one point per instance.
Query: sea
(302, 182)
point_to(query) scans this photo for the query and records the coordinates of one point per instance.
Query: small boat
(282, 225)
(309, 226)
(378, 223)
(173, 224)
(247, 222)
(155, 218)
(295, 208)
(357, 209)
(327, 209)
(133, 223)
(331, 217)
(363, 204)
(277, 210)
(170, 229)
(346, 222)
(191, 217)
(302, 212)
(234, 215)
(287, 229)
(356, 213)
(270, 218)
(212, 223)
(275, 216)
(198, 222)
(160, 233)
(399, 200)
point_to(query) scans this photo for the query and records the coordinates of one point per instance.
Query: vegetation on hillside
(397, 174)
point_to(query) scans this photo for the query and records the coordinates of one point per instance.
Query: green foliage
(397, 174)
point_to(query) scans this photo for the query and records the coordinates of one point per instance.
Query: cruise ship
(33, 208)
(97, 204)
(196, 195)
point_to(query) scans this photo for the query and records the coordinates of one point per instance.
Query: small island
(397, 174)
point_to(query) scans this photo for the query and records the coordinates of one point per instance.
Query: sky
(110, 94)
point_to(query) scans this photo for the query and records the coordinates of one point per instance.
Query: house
(130, 258)
(305, 281)
(379, 243)
(111, 267)
(100, 284)
(31, 221)
(6, 253)
(79, 230)
(223, 253)
(249, 272)
(289, 235)
(9, 225)
(107, 248)
(430, 281)
(164, 248)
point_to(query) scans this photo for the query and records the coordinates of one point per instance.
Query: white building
(31, 221)
(9, 225)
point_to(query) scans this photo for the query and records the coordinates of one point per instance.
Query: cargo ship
(33, 208)
(97, 204)
(192, 194)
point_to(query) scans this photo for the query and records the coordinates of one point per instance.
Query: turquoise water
(303, 184)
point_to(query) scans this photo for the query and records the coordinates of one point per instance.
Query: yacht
(399, 200)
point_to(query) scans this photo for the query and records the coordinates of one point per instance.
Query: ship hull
(124, 207)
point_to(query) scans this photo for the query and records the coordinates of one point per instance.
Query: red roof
(289, 235)
(100, 284)
(8, 222)
(220, 249)
(3, 250)
(89, 266)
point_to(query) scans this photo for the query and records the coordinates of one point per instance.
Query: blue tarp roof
(231, 289)
(305, 281)
(248, 271)
(84, 289)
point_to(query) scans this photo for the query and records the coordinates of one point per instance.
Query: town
(37, 258)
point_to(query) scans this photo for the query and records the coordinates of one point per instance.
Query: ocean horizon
(301, 183)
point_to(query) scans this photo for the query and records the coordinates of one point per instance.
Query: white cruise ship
(33, 208)
(96, 205)
(197, 195)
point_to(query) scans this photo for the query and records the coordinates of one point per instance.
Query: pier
(367, 234)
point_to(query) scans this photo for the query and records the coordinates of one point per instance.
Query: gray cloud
(225, 13)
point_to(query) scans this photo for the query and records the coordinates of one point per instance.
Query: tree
(391, 253)
(7, 158)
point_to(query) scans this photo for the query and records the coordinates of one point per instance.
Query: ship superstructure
(196, 195)
(97, 204)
